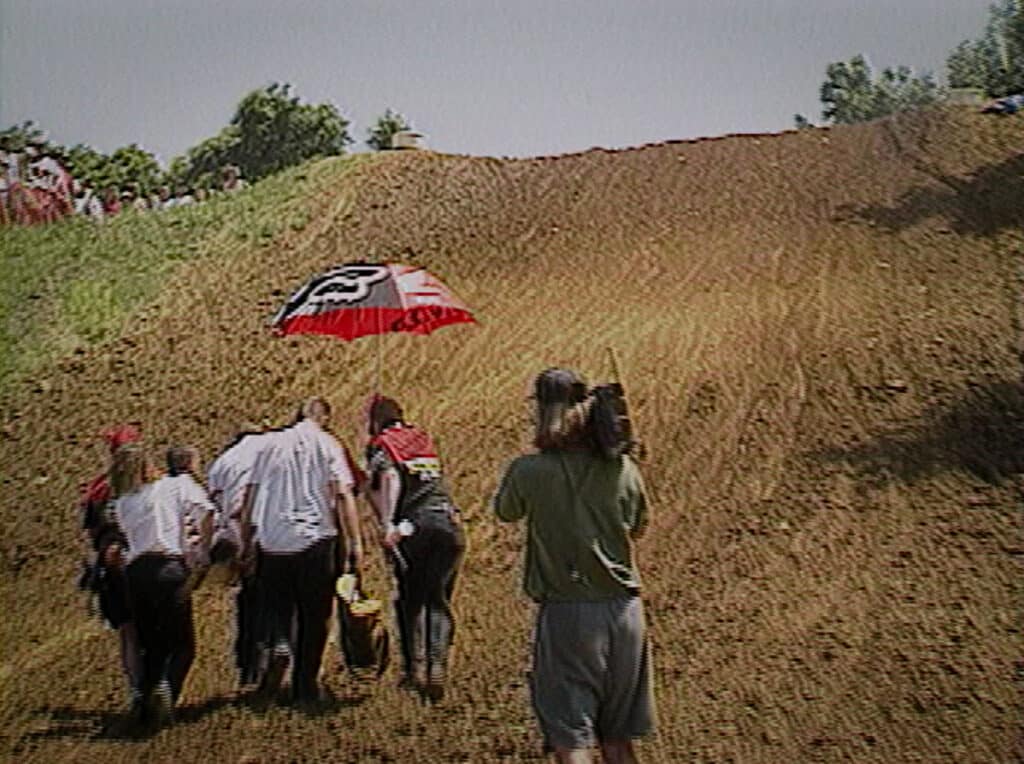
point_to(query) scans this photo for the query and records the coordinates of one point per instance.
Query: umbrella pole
(380, 360)
(380, 352)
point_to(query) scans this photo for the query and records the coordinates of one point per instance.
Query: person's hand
(390, 538)
(247, 561)
(113, 556)
(355, 558)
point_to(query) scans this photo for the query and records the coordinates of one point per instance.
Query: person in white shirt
(87, 204)
(298, 498)
(155, 519)
(4, 186)
(232, 179)
(162, 200)
(226, 479)
(185, 197)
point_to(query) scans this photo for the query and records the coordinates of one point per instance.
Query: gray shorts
(591, 678)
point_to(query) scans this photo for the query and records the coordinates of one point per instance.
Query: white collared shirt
(228, 476)
(293, 508)
(162, 516)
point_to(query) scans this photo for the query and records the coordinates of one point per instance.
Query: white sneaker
(162, 704)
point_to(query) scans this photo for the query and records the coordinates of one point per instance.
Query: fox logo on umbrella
(348, 284)
(358, 299)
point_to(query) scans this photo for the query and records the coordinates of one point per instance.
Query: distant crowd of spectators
(36, 188)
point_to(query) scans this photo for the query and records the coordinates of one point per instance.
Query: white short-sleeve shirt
(228, 476)
(292, 509)
(161, 516)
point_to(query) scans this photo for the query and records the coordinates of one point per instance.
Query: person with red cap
(104, 575)
(161, 563)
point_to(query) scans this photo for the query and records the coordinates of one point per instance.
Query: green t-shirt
(582, 512)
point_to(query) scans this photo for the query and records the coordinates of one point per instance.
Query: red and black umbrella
(357, 300)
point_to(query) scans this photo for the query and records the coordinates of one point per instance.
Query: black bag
(608, 423)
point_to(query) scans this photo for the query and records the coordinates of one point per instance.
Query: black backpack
(608, 424)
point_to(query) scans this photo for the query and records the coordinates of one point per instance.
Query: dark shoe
(137, 713)
(433, 690)
(406, 682)
(313, 700)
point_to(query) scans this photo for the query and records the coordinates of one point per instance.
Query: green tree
(17, 137)
(270, 130)
(177, 173)
(204, 161)
(995, 61)
(850, 93)
(133, 166)
(389, 123)
(276, 131)
(126, 167)
(87, 165)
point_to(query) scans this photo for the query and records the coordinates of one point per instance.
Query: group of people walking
(279, 507)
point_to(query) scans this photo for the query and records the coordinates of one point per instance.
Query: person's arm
(508, 503)
(383, 494)
(247, 551)
(638, 496)
(110, 539)
(219, 517)
(216, 496)
(206, 525)
(346, 517)
(383, 490)
(206, 535)
(340, 484)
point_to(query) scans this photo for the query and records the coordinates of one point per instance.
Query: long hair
(562, 426)
(572, 418)
(128, 469)
(562, 410)
(382, 413)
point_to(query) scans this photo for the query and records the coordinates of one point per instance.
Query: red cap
(117, 436)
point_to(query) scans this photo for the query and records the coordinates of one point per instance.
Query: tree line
(992, 63)
(271, 129)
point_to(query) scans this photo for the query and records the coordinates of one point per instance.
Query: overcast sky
(512, 77)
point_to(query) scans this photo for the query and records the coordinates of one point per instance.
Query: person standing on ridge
(584, 503)
(420, 528)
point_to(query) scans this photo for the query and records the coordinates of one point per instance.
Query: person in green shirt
(583, 505)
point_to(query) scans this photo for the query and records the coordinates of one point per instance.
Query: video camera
(608, 423)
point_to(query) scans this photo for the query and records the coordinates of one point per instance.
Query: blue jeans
(432, 556)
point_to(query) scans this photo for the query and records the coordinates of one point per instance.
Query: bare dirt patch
(820, 332)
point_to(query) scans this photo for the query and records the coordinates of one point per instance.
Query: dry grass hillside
(821, 334)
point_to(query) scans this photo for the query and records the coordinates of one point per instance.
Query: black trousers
(162, 608)
(298, 594)
(431, 556)
(251, 631)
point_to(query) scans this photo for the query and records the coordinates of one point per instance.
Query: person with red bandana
(104, 575)
(421, 530)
